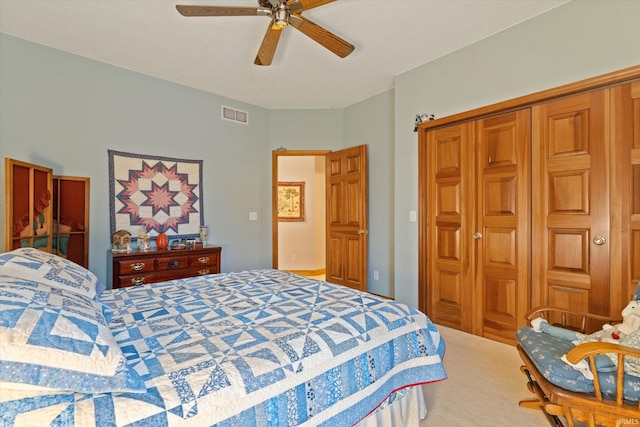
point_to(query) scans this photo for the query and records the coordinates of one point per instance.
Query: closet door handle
(599, 240)
(477, 235)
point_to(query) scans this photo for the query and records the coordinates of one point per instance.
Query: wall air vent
(235, 115)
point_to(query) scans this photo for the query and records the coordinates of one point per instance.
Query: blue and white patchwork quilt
(254, 348)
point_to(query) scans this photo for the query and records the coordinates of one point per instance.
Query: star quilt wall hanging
(153, 195)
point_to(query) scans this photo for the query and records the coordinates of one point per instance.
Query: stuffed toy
(625, 333)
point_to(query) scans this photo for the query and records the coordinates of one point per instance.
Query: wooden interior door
(347, 217)
(450, 190)
(502, 237)
(571, 205)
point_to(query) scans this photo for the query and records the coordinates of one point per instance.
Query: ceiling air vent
(235, 115)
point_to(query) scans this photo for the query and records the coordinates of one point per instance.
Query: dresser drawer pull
(203, 272)
(137, 280)
(173, 263)
(203, 259)
(137, 266)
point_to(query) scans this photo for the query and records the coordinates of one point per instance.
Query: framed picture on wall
(290, 201)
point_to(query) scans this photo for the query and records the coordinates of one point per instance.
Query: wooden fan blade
(327, 39)
(268, 47)
(221, 11)
(298, 6)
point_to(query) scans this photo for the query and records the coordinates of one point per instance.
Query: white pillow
(50, 337)
(39, 266)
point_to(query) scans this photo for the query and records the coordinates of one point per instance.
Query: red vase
(162, 241)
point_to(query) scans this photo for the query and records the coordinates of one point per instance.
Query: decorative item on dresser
(138, 268)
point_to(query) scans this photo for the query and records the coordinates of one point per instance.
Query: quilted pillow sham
(44, 267)
(53, 338)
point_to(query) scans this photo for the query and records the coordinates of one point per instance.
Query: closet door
(450, 197)
(570, 202)
(502, 236)
(625, 190)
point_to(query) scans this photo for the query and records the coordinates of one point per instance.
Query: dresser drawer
(135, 266)
(172, 262)
(135, 280)
(203, 260)
(204, 270)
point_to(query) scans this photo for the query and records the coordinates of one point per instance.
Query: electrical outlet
(293, 258)
(376, 275)
(253, 216)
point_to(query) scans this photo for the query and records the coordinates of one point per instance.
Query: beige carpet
(483, 387)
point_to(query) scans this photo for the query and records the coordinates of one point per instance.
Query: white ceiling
(215, 54)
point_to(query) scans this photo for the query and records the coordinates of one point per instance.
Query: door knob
(362, 231)
(599, 240)
(477, 235)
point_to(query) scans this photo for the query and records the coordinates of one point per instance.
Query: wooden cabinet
(45, 211)
(28, 209)
(138, 268)
(70, 229)
(534, 201)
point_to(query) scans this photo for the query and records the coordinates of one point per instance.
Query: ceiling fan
(282, 13)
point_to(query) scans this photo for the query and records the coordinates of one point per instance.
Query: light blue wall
(581, 39)
(65, 112)
(370, 123)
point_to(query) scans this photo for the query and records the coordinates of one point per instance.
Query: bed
(252, 348)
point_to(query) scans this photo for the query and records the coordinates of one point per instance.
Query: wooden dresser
(138, 268)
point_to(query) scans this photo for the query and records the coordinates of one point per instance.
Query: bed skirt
(406, 410)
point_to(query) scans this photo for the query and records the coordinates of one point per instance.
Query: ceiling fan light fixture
(280, 17)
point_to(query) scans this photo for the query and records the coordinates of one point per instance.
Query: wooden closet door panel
(625, 188)
(571, 202)
(449, 194)
(503, 217)
(634, 223)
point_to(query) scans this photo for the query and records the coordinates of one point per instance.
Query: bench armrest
(564, 316)
(584, 350)
(589, 350)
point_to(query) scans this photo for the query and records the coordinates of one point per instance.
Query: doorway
(346, 206)
(299, 243)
